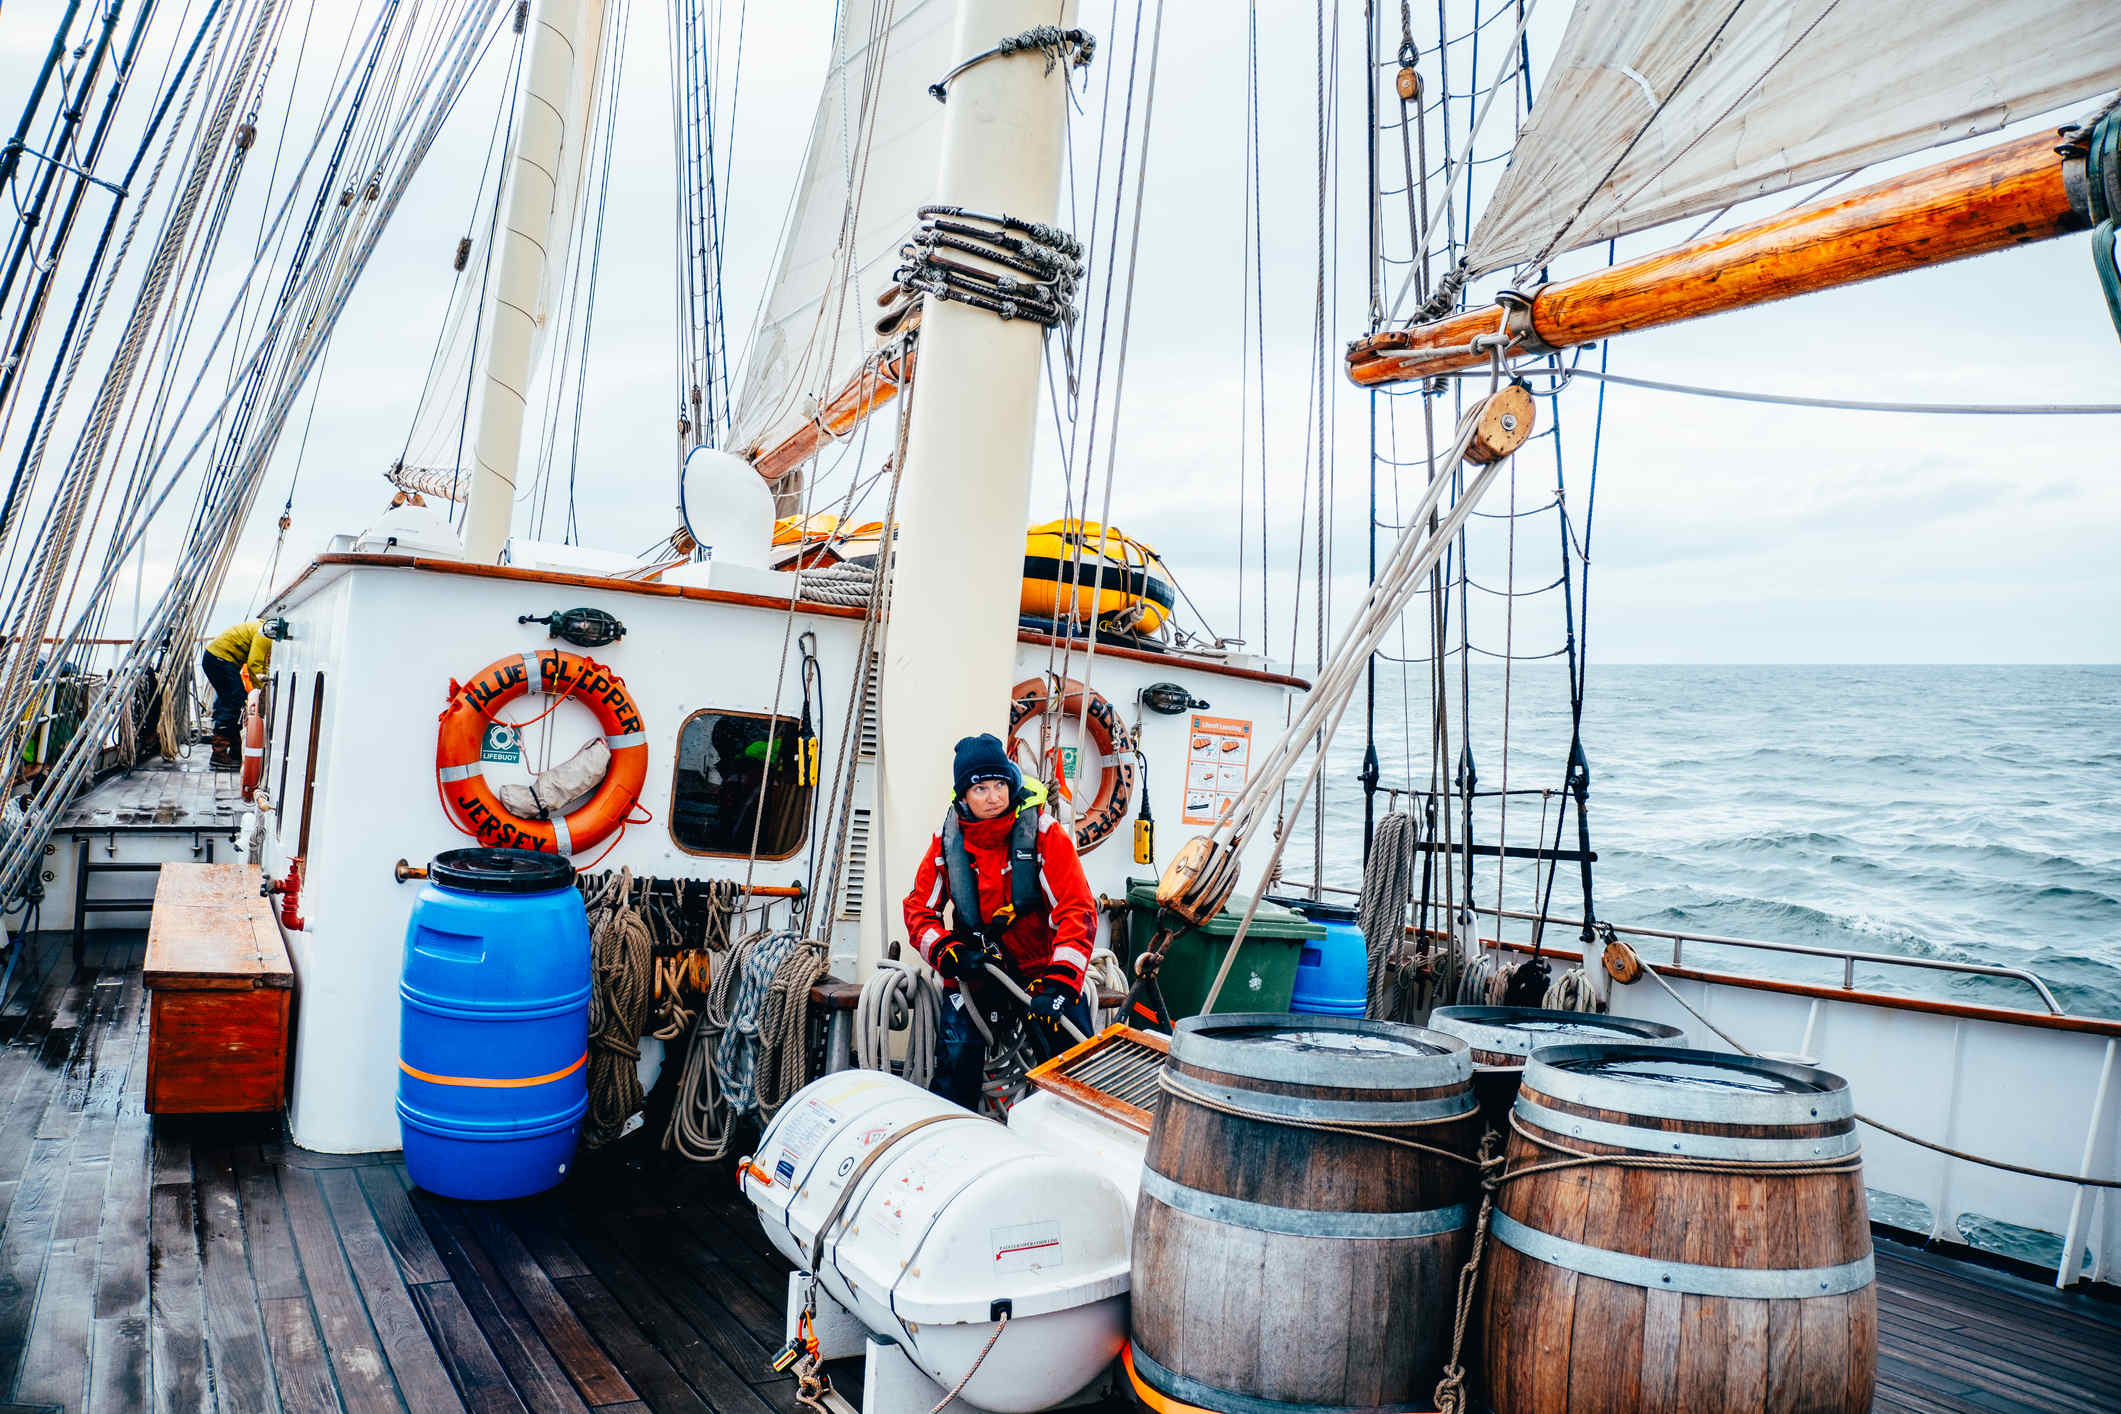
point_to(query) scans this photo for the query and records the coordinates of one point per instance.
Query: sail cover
(872, 162)
(1655, 110)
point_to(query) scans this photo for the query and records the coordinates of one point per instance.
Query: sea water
(1963, 813)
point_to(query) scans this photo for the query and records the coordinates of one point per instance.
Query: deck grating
(208, 1265)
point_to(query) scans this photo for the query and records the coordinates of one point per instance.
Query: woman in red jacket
(1017, 896)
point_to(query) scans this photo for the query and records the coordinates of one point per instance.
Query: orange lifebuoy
(1096, 822)
(473, 804)
(253, 745)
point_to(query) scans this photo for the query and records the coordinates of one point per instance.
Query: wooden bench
(221, 994)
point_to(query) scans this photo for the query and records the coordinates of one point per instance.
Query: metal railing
(1847, 957)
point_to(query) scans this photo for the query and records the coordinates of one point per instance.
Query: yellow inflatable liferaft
(1129, 591)
(821, 539)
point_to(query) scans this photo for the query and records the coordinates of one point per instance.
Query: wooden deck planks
(191, 1265)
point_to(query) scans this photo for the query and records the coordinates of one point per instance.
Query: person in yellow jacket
(234, 663)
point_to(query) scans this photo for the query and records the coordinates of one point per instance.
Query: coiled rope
(1012, 269)
(622, 990)
(848, 584)
(1388, 885)
(749, 1046)
(899, 998)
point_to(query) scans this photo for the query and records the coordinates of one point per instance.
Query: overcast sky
(1725, 532)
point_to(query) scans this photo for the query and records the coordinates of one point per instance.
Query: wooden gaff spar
(2033, 189)
(875, 383)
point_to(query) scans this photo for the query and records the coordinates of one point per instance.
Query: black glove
(1051, 997)
(962, 955)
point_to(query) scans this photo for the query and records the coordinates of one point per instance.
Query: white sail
(871, 164)
(1655, 110)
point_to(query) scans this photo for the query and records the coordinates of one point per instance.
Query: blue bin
(493, 1049)
(1333, 975)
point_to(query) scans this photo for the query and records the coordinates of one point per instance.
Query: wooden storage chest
(221, 994)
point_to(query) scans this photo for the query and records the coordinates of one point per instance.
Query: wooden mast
(2013, 194)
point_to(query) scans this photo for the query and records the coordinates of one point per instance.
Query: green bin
(1262, 979)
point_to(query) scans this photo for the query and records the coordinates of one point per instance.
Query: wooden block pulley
(1501, 424)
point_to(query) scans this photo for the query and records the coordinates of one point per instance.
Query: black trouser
(227, 680)
(962, 1052)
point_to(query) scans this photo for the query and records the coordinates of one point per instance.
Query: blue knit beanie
(983, 758)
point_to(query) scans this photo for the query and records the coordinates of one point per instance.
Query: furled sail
(872, 162)
(1656, 110)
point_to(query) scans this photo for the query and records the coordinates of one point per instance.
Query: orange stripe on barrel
(486, 1083)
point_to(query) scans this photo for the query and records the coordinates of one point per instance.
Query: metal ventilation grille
(1114, 1072)
(855, 884)
(873, 688)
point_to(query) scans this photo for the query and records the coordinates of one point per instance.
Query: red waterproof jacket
(1057, 939)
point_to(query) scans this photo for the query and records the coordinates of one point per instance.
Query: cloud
(1723, 531)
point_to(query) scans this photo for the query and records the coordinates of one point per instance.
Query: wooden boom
(2010, 195)
(872, 386)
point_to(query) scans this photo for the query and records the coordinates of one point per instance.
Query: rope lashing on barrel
(1932, 1145)
(1450, 1395)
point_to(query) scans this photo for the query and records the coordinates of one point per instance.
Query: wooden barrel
(1610, 1288)
(1502, 1037)
(1280, 1268)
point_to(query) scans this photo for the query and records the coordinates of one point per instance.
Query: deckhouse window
(736, 773)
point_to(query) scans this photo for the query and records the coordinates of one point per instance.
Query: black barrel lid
(1317, 910)
(500, 871)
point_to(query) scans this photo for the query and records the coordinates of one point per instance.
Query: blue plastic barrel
(1333, 975)
(493, 1050)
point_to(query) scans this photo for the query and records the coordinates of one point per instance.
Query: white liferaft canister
(948, 1228)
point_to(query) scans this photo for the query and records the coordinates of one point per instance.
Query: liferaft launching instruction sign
(1218, 758)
